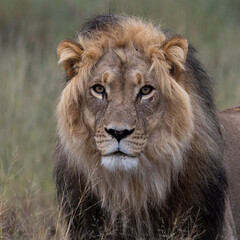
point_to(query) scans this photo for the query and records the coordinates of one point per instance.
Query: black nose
(119, 134)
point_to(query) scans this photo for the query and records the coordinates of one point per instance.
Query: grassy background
(30, 83)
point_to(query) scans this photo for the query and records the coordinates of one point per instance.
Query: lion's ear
(69, 53)
(175, 50)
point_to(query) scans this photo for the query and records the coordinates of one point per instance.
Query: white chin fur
(119, 162)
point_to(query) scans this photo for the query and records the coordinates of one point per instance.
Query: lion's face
(125, 106)
(123, 98)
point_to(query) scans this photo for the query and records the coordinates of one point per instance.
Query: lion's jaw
(118, 161)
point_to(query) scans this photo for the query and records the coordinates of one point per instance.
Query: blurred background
(31, 80)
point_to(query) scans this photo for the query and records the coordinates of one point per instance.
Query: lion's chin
(118, 161)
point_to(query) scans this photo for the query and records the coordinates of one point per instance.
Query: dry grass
(22, 216)
(30, 83)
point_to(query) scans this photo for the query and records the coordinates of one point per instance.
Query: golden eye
(145, 90)
(99, 89)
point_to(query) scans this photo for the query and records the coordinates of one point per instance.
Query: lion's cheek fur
(74, 134)
(170, 137)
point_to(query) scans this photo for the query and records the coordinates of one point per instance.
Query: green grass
(30, 83)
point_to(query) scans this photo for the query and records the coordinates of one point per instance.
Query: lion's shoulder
(229, 122)
(232, 110)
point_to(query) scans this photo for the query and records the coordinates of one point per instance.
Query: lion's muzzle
(119, 147)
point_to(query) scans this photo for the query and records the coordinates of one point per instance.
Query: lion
(139, 153)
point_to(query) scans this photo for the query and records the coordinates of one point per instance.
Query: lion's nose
(119, 134)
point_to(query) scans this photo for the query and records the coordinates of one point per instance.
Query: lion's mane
(188, 180)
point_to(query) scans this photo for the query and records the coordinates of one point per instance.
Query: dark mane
(203, 83)
(99, 22)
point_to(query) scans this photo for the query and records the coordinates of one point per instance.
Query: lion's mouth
(118, 153)
(119, 160)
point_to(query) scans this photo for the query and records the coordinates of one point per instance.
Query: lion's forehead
(121, 66)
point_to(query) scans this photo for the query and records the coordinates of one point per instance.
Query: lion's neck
(130, 190)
